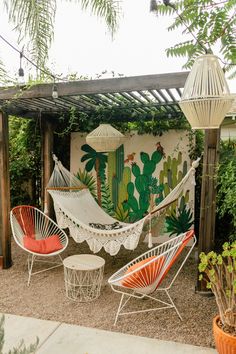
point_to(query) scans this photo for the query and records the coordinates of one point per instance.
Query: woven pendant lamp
(206, 97)
(105, 138)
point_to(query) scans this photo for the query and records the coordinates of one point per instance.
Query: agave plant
(88, 180)
(121, 214)
(180, 222)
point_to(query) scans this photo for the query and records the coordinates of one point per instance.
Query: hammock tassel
(150, 245)
(45, 208)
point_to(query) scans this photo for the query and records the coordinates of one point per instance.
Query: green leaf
(90, 165)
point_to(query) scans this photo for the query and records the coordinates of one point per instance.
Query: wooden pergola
(141, 93)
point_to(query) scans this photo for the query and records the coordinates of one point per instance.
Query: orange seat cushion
(145, 276)
(45, 246)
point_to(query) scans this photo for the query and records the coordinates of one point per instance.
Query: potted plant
(219, 271)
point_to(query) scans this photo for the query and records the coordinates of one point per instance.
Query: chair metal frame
(169, 250)
(33, 218)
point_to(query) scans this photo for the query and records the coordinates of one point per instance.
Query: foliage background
(25, 161)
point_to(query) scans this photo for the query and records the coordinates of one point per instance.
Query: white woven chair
(30, 221)
(143, 276)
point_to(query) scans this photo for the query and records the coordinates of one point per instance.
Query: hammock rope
(77, 210)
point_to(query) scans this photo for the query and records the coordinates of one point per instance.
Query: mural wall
(130, 181)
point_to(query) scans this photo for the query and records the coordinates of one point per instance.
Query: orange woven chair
(143, 276)
(38, 235)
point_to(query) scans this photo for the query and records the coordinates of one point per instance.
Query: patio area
(45, 299)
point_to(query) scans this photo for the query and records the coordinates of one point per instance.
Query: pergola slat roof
(143, 94)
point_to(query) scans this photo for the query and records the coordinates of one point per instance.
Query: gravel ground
(45, 299)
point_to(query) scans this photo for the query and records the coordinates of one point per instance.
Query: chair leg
(122, 305)
(32, 258)
(172, 302)
(119, 308)
(30, 262)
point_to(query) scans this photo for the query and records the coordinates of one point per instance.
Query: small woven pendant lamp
(206, 97)
(105, 138)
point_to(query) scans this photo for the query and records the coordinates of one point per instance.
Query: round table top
(84, 262)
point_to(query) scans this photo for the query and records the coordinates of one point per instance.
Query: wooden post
(47, 163)
(208, 195)
(5, 238)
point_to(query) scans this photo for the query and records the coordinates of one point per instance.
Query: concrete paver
(61, 338)
(27, 328)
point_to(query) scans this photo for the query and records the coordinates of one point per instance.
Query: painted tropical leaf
(89, 165)
(177, 224)
(107, 204)
(121, 214)
(88, 180)
(87, 148)
(85, 157)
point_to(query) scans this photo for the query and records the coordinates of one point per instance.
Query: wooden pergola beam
(73, 88)
(5, 236)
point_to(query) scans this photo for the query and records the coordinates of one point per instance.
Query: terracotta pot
(225, 343)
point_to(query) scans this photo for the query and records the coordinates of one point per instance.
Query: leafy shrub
(25, 161)
(226, 190)
(219, 272)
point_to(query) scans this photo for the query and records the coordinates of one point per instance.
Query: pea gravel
(45, 299)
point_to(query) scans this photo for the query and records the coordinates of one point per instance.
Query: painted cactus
(170, 176)
(115, 169)
(143, 183)
(111, 168)
(118, 176)
(122, 187)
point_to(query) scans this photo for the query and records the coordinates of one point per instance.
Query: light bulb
(21, 78)
(54, 91)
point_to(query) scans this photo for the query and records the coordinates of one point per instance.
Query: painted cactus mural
(171, 175)
(127, 189)
(179, 217)
(144, 184)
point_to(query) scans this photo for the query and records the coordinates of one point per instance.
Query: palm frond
(34, 22)
(107, 9)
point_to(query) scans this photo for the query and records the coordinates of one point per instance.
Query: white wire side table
(83, 277)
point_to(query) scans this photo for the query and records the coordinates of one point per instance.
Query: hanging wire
(22, 55)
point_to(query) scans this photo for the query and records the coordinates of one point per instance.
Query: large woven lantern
(206, 98)
(105, 138)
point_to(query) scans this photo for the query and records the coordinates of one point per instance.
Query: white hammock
(76, 209)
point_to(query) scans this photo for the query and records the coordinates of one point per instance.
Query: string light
(22, 55)
(54, 90)
(21, 78)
